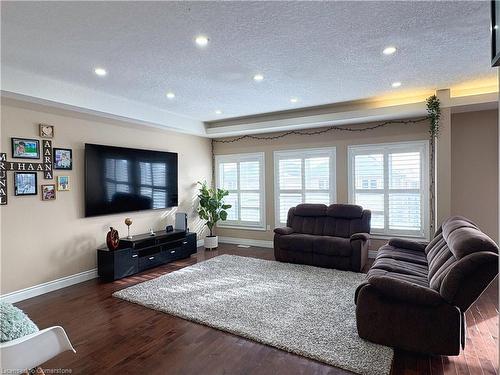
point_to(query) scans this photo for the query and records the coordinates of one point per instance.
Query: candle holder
(128, 223)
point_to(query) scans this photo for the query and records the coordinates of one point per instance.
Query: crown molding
(28, 87)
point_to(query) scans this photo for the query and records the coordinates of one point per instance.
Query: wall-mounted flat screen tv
(119, 179)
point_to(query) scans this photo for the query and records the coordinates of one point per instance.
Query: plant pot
(211, 242)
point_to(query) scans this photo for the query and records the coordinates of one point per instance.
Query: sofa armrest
(360, 236)
(283, 231)
(359, 251)
(408, 244)
(405, 291)
(468, 278)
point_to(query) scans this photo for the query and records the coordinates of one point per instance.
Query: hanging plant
(434, 111)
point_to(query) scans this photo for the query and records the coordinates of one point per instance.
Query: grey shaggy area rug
(305, 310)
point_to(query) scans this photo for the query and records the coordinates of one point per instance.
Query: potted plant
(212, 209)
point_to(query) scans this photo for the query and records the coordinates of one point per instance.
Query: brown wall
(473, 149)
(43, 241)
(474, 168)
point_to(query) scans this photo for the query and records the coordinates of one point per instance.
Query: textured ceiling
(320, 52)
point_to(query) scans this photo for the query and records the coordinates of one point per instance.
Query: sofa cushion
(308, 224)
(464, 238)
(332, 246)
(297, 242)
(411, 256)
(400, 266)
(344, 219)
(405, 291)
(309, 209)
(345, 211)
(403, 243)
(419, 280)
(337, 227)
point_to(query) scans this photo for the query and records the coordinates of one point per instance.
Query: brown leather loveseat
(415, 295)
(334, 236)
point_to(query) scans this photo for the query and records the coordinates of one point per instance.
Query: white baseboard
(63, 282)
(246, 241)
(49, 286)
(269, 244)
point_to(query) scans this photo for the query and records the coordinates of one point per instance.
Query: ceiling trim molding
(353, 113)
(315, 121)
(33, 88)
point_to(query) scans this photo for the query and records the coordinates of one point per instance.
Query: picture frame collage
(26, 173)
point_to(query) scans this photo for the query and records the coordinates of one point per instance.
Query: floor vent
(245, 246)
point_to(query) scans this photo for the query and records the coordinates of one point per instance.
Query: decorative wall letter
(47, 159)
(3, 179)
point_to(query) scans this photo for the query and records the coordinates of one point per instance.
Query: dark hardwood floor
(112, 336)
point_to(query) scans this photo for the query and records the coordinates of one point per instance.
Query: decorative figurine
(151, 232)
(112, 239)
(128, 223)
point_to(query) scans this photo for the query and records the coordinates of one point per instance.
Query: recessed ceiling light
(258, 77)
(396, 84)
(100, 71)
(201, 40)
(218, 112)
(170, 95)
(389, 50)
(294, 100)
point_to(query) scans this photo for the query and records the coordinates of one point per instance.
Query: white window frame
(386, 149)
(237, 158)
(304, 153)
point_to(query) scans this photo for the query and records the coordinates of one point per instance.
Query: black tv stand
(144, 251)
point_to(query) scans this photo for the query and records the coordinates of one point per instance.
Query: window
(117, 177)
(303, 176)
(153, 182)
(391, 180)
(243, 176)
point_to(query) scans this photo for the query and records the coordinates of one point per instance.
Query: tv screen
(119, 179)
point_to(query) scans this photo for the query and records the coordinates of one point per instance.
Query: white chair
(30, 351)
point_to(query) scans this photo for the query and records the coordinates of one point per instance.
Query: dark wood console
(144, 251)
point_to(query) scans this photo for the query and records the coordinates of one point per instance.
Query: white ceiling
(320, 52)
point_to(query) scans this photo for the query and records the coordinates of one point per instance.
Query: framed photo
(63, 183)
(25, 183)
(23, 148)
(63, 158)
(46, 131)
(48, 192)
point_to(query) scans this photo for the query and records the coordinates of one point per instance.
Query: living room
(249, 187)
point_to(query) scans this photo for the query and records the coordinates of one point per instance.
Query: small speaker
(181, 220)
(169, 228)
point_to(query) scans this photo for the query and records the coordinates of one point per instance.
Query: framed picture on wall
(63, 158)
(25, 183)
(63, 183)
(46, 131)
(24, 148)
(48, 192)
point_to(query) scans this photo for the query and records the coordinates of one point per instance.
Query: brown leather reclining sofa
(334, 236)
(415, 295)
